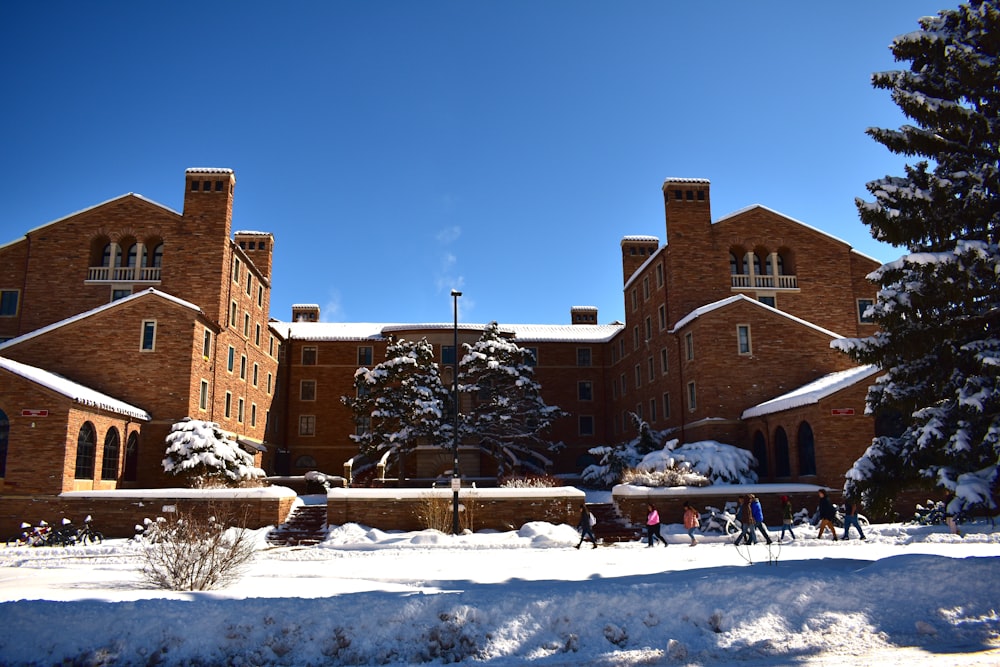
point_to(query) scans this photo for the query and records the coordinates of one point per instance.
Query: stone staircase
(610, 527)
(305, 526)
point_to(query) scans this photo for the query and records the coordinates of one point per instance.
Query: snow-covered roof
(700, 181)
(639, 237)
(94, 311)
(247, 232)
(531, 333)
(812, 393)
(207, 170)
(77, 392)
(305, 305)
(89, 208)
(715, 305)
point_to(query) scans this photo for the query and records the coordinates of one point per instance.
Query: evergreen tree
(508, 412)
(938, 307)
(401, 402)
(205, 455)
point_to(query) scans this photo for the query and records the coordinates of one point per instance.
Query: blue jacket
(755, 509)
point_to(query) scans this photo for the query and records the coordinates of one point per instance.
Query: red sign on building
(841, 412)
(34, 413)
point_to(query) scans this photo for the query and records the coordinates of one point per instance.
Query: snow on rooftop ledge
(639, 237)
(812, 393)
(672, 179)
(208, 170)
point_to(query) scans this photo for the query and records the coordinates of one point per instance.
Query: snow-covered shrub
(206, 455)
(198, 552)
(720, 463)
(530, 482)
(614, 460)
(679, 475)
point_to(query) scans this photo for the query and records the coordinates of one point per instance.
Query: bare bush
(198, 551)
(531, 482)
(438, 513)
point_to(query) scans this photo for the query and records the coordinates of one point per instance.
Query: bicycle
(88, 534)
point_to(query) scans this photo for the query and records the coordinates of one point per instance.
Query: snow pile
(202, 450)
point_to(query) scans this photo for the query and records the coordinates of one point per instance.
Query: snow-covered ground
(908, 595)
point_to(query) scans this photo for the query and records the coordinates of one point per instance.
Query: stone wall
(116, 513)
(485, 509)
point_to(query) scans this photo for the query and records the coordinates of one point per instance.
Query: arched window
(760, 453)
(756, 264)
(112, 449)
(86, 444)
(782, 461)
(781, 265)
(807, 450)
(133, 256)
(734, 267)
(770, 264)
(305, 461)
(158, 255)
(4, 438)
(107, 256)
(130, 472)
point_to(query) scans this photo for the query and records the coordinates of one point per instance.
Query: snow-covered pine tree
(203, 453)
(508, 414)
(401, 402)
(938, 308)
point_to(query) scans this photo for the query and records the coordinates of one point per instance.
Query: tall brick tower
(635, 251)
(697, 270)
(202, 250)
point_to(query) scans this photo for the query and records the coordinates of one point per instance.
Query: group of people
(751, 517)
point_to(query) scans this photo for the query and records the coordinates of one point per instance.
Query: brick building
(165, 315)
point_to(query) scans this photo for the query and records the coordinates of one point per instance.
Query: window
(130, 471)
(260, 296)
(585, 391)
(623, 384)
(249, 284)
(4, 440)
(253, 414)
(112, 450)
(863, 306)
(586, 425)
(692, 397)
(782, 461)
(666, 406)
(256, 373)
(663, 361)
(229, 405)
(448, 354)
(364, 356)
(236, 269)
(86, 444)
(645, 289)
(231, 359)
(256, 335)
(689, 346)
(638, 376)
(148, 335)
(583, 357)
(743, 338)
(635, 300)
(203, 395)
(652, 368)
(269, 378)
(635, 338)
(662, 314)
(206, 345)
(652, 409)
(8, 302)
(760, 453)
(307, 390)
(362, 425)
(307, 425)
(531, 359)
(767, 300)
(233, 310)
(270, 345)
(117, 294)
(243, 367)
(659, 275)
(239, 411)
(649, 329)
(246, 324)
(638, 411)
(807, 450)
(309, 356)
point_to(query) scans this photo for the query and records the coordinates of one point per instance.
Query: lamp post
(456, 481)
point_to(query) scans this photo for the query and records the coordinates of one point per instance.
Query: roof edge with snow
(812, 392)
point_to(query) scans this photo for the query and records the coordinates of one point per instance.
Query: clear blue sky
(401, 149)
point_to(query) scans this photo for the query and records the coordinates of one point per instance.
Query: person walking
(827, 513)
(691, 522)
(758, 516)
(851, 518)
(787, 517)
(586, 526)
(653, 526)
(748, 534)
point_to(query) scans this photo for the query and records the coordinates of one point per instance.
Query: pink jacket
(653, 518)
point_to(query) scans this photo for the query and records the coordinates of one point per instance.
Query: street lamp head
(455, 292)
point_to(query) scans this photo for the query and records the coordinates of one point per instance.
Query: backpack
(593, 519)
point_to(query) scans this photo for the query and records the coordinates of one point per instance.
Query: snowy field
(909, 595)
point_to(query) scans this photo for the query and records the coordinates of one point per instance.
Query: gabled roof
(523, 333)
(736, 298)
(72, 390)
(813, 392)
(91, 208)
(100, 309)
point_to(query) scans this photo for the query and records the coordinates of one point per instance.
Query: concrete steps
(610, 527)
(305, 526)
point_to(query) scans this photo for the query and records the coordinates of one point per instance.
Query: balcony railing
(748, 281)
(124, 274)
